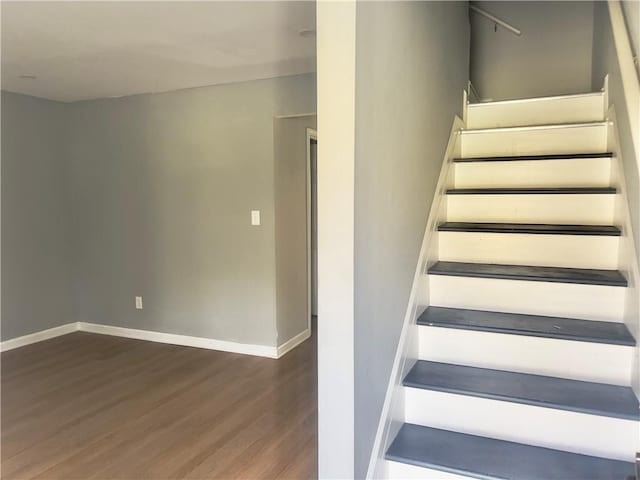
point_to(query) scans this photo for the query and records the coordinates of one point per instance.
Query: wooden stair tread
(542, 391)
(533, 191)
(613, 333)
(548, 156)
(486, 458)
(531, 228)
(586, 276)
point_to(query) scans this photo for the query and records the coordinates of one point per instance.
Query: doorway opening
(312, 226)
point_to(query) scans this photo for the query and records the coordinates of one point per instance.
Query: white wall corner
(336, 80)
(392, 415)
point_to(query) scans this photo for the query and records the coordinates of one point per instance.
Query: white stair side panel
(537, 111)
(578, 138)
(573, 251)
(589, 302)
(404, 471)
(516, 422)
(584, 172)
(588, 209)
(588, 361)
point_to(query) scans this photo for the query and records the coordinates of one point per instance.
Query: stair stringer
(628, 261)
(392, 415)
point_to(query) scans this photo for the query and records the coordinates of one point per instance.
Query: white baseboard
(38, 336)
(160, 337)
(293, 343)
(176, 339)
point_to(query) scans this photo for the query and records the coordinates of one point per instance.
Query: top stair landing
(583, 107)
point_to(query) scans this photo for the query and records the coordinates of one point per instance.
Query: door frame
(312, 134)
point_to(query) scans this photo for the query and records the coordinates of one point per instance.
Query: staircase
(524, 362)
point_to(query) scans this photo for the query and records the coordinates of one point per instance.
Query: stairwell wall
(411, 70)
(551, 57)
(609, 61)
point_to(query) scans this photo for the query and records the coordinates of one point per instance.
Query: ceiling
(84, 50)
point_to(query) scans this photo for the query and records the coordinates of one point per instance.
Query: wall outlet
(255, 217)
(138, 303)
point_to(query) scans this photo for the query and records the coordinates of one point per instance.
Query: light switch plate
(138, 303)
(255, 217)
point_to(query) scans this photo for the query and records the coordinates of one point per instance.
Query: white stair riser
(533, 425)
(551, 110)
(589, 302)
(594, 362)
(577, 251)
(524, 141)
(588, 209)
(591, 172)
(404, 471)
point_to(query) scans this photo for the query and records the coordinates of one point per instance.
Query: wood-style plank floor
(87, 406)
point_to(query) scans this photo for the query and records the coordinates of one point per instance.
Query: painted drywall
(605, 62)
(36, 263)
(611, 59)
(290, 188)
(412, 68)
(336, 41)
(86, 50)
(552, 56)
(162, 187)
(631, 9)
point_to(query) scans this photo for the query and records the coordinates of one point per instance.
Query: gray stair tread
(539, 228)
(486, 458)
(558, 393)
(586, 276)
(531, 191)
(613, 333)
(549, 156)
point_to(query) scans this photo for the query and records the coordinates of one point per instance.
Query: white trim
(628, 256)
(628, 72)
(184, 340)
(38, 336)
(389, 419)
(311, 134)
(536, 127)
(292, 343)
(534, 99)
(159, 337)
(296, 115)
(605, 96)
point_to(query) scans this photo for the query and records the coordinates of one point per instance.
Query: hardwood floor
(86, 406)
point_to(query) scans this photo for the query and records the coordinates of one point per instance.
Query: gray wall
(553, 55)
(35, 217)
(411, 70)
(162, 189)
(290, 181)
(605, 62)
